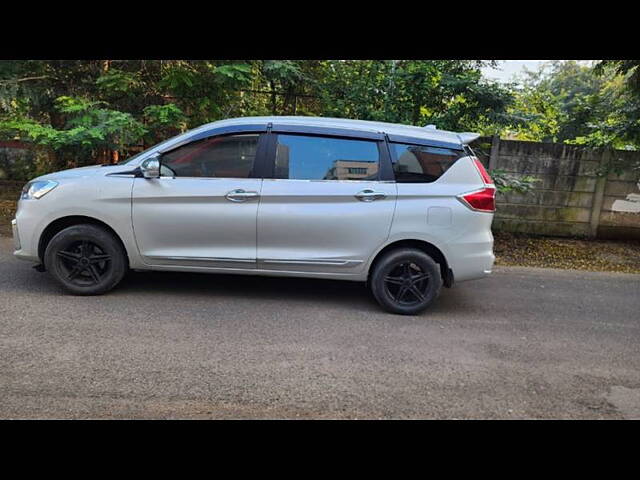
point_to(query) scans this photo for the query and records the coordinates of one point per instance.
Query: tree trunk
(273, 99)
(416, 111)
(57, 120)
(54, 160)
(290, 101)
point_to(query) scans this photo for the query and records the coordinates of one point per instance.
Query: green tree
(88, 127)
(450, 94)
(566, 101)
(620, 127)
(87, 111)
(629, 69)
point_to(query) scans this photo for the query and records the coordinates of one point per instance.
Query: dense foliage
(80, 112)
(77, 112)
(592, 105)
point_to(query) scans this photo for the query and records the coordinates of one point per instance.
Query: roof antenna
(431, 126)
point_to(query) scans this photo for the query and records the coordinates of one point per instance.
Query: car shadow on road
(245, 286)
(345, 294)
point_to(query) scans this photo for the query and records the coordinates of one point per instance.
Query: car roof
(423, 133)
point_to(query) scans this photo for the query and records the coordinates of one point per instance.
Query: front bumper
(16, 236)
(21, 250)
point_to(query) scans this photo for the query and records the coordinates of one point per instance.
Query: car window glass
(419, 163)
(229, 156)
(304, 157)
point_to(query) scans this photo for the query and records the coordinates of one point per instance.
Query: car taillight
(486, 178)
(481, 200)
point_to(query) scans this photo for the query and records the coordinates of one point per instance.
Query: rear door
(327, 208)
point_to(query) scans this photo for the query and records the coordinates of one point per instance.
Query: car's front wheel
(86, 259)
(405, 281)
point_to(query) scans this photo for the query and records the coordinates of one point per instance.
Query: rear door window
(302, 157)
(421, 163)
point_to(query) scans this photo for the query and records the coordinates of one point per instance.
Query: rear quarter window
(421, 163)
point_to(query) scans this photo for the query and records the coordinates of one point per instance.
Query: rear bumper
(472, 258)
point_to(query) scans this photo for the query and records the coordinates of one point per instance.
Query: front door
(326, 210)
(202, 210)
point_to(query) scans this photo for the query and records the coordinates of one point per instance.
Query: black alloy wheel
(83, 263)
(407, 284)
(405, 281)
(86, 259)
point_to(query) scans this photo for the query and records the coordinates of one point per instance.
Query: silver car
(405, 209)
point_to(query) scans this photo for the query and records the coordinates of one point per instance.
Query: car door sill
(264, 263)
(254, 271)
(332, 263)
(203, 259)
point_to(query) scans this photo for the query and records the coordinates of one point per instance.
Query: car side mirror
(150, 168)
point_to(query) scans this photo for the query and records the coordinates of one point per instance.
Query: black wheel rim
(83, 263)
(407, 283)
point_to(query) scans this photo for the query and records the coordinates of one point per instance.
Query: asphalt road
(523, 343)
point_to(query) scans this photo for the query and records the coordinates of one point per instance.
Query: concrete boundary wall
(571, 197)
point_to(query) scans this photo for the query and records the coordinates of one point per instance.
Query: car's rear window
(421, 163)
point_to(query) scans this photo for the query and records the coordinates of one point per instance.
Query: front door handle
(240, 195)
(369, 195)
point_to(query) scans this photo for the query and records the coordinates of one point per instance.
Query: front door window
(229, 156)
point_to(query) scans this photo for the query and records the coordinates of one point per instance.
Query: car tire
(405, 281)
(86, 259)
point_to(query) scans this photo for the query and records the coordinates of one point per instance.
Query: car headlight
(37, 189)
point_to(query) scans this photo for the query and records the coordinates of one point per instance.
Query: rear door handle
(240, 195)
(369, 195)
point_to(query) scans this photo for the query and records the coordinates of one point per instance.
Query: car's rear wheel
(405, 281)
(86, 259)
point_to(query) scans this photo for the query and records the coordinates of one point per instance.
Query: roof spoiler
(467, 137)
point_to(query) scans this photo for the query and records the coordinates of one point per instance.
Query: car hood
(83, 172)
